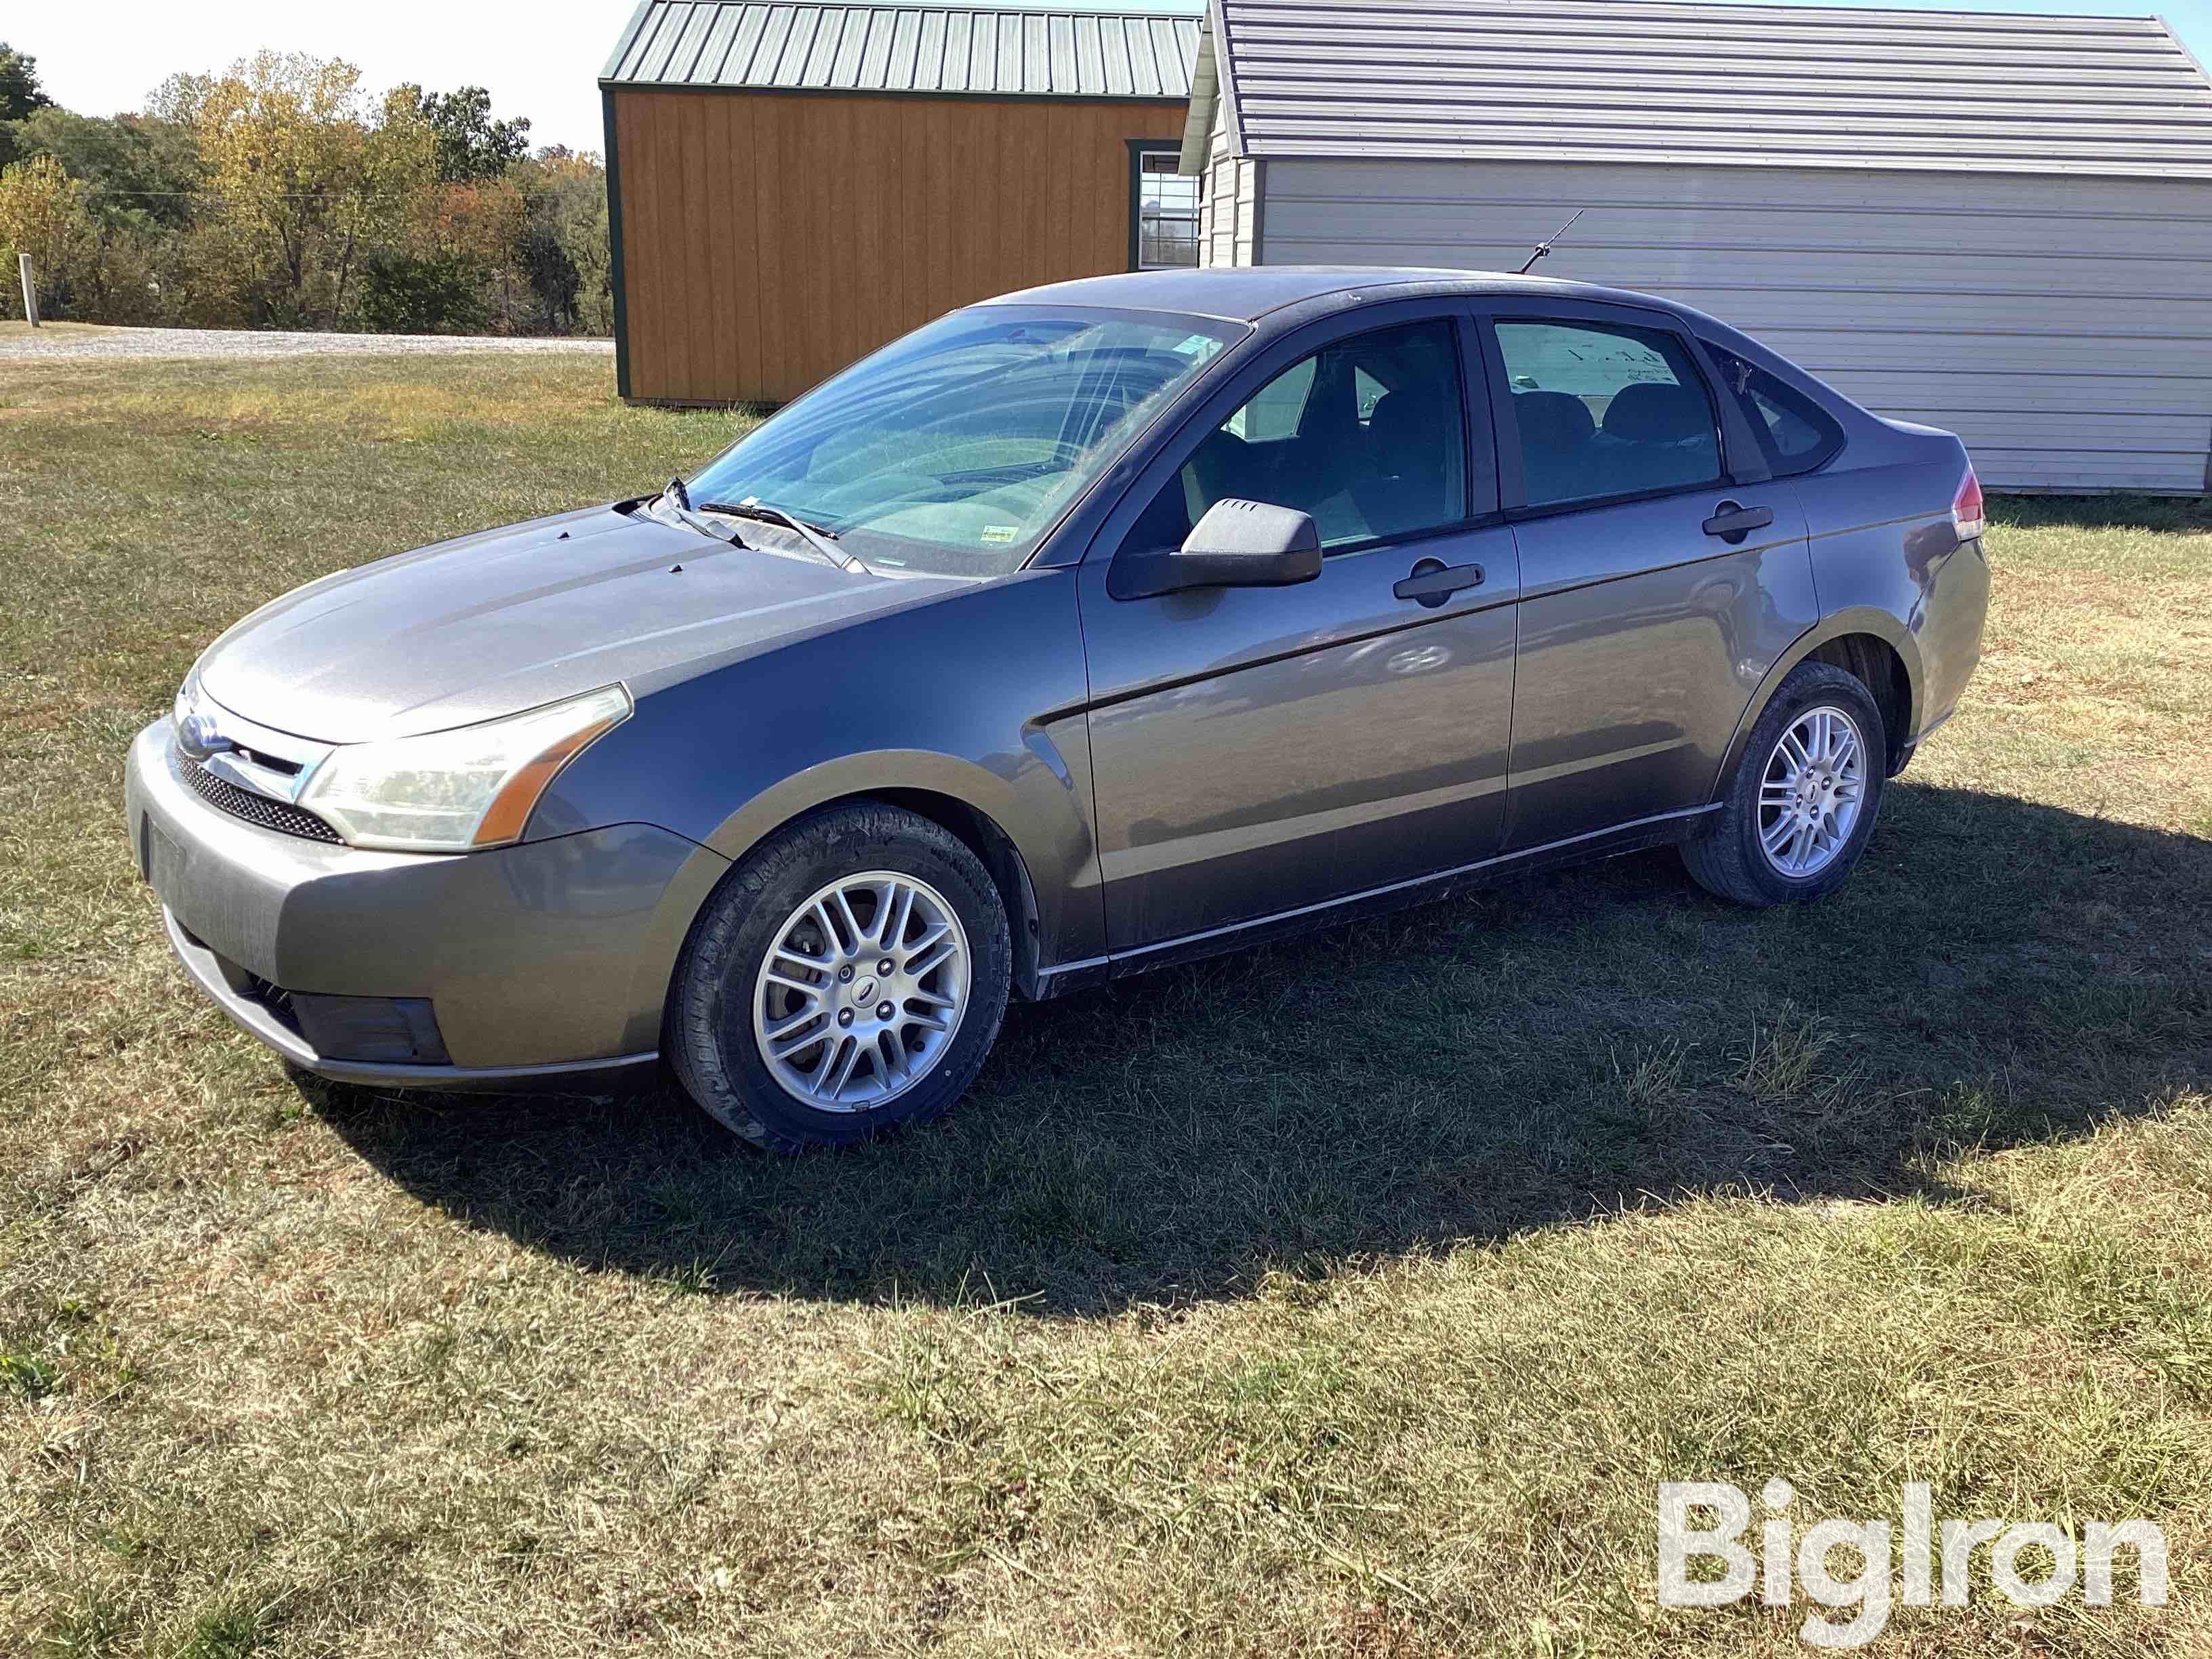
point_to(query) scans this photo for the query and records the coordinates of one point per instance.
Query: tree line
(283, 194)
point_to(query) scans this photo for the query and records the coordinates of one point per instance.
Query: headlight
(188, 697)
(447, 792)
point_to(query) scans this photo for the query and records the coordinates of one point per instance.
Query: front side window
(953, 451)
(1796, 433)
(1366, 436)
(1606, 409)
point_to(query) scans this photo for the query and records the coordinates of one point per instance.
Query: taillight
(1966, 514)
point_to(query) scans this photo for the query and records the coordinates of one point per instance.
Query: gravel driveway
(253, 343)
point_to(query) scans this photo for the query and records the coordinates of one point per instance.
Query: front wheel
(847, 977)
(1802, 802)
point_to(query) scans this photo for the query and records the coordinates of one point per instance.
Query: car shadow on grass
(1997, 972)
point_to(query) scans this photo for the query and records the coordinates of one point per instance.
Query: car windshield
(951, 452)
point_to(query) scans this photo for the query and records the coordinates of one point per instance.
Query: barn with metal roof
(1994, 222)
(792, 186)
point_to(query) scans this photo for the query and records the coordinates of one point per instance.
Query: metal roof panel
(1040, 51)
(684, 59)
(1059, 40)
(844, 67)
(1089, 63)
(659, 46)
(905, 50)
(625, 41)
(822, 48)
(708, 67)
(1672, 80)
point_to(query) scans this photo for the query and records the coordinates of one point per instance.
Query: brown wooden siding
(769, 239)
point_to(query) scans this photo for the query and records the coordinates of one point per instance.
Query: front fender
(872, 773)
(976, 698)
(1060, 910)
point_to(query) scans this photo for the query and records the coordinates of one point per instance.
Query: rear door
(1662, 568)
(1259, 751)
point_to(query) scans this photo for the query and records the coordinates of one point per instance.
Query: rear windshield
(953, 451)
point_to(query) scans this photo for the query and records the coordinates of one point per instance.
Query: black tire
(711, 1045)
(1726, 858)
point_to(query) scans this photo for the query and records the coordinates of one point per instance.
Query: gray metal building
(1995, 223)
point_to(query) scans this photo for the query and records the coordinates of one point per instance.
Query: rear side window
(1606, 409)
(1796, 433)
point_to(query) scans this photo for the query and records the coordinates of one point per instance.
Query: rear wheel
(1802, 802)
(847, 978)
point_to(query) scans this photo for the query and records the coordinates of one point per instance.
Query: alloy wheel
(1812, 792)
(861, 994)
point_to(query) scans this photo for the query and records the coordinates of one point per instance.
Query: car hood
(509, 619)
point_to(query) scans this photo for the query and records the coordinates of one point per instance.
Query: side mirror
(1236, 544)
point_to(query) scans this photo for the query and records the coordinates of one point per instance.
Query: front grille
(278, 814)
(370, 1031)
(275, 998)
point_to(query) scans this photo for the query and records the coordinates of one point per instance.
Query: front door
(1661, 570)
(1259, 751)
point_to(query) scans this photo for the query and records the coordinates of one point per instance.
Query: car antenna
(1545, 246)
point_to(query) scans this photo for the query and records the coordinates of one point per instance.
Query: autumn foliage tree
(81, 264)
(43, 213)
(305, 172)
(281, 193)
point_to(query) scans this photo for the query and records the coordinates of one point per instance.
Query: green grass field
(1351, 1298)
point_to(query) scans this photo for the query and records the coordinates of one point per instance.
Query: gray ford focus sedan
(1102, 626)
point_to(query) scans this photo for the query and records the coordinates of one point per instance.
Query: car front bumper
(547, 961)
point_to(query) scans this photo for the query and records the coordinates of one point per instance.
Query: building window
(1164, 209)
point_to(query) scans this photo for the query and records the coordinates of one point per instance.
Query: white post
(30, 290)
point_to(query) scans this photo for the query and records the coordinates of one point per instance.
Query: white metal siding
(2062, 327)
(1657, 82)
(1229, 209)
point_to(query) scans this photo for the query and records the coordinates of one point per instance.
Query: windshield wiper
(675, 502)
(814, 535)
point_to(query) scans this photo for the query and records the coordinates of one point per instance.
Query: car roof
(1248, 294)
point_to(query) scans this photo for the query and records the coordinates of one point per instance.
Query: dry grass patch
(1350, 1298)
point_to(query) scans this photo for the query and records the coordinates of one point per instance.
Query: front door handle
(1433, 581)
(1732, 520)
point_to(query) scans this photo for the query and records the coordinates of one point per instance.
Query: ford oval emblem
(198, 737)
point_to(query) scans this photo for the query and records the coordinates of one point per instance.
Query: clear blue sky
(539, 57)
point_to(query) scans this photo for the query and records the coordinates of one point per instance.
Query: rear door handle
(1433, 581)
(1732, 520)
